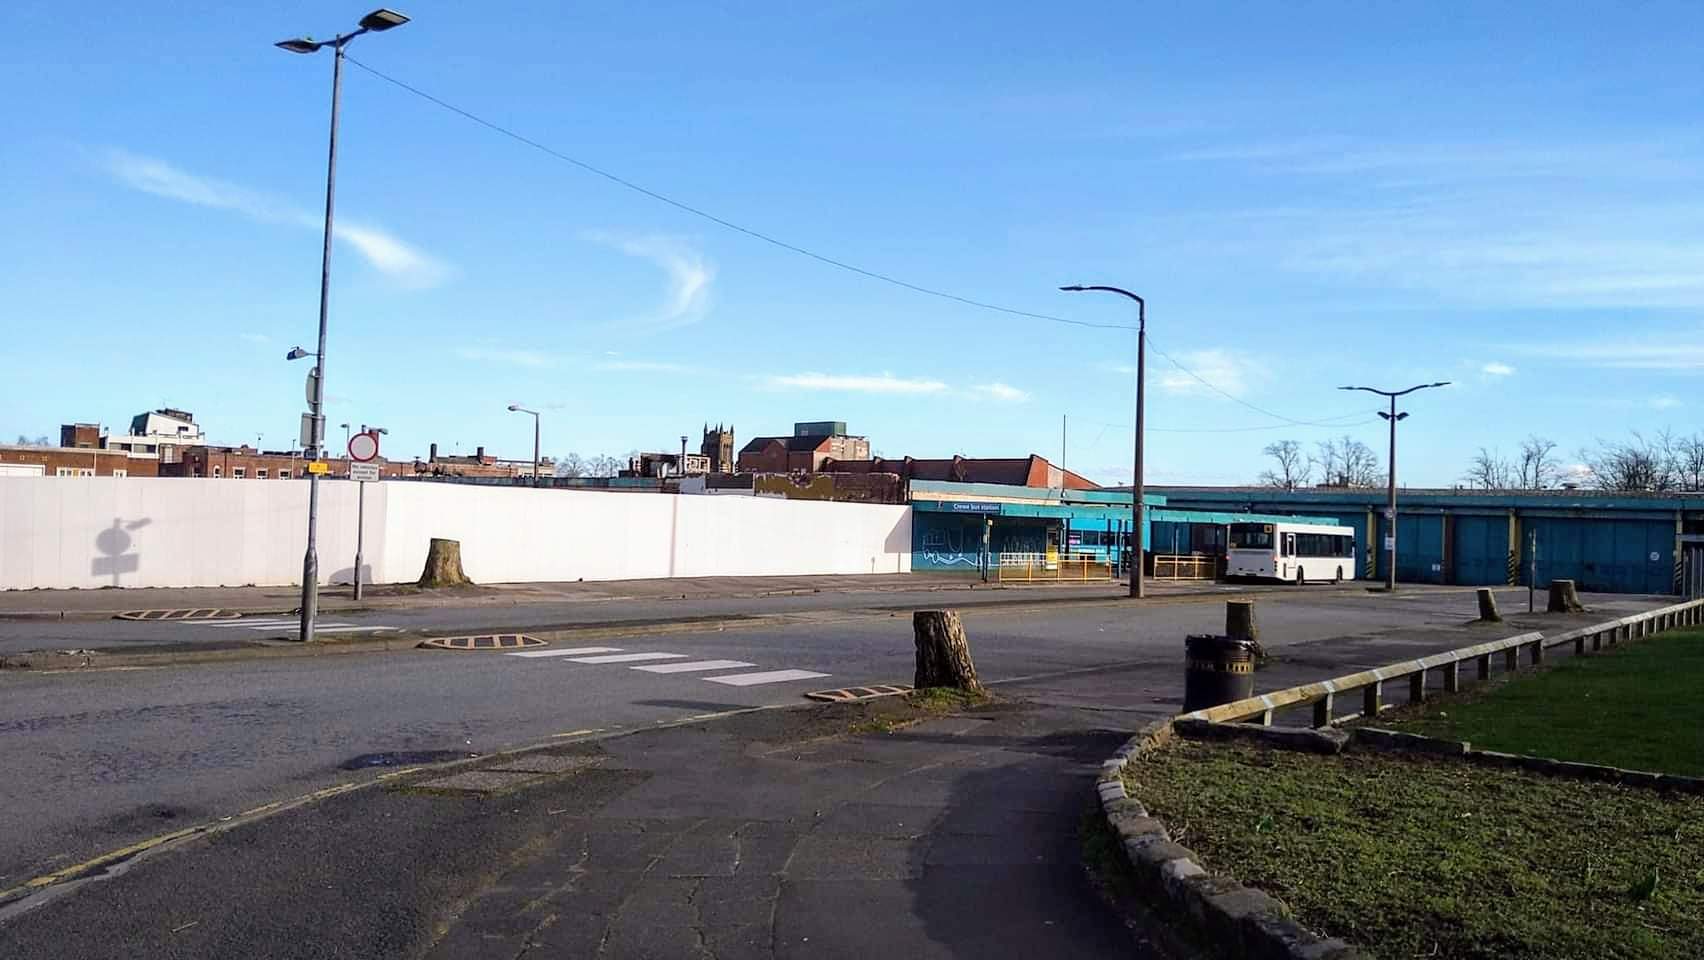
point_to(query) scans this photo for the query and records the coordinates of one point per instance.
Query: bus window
(1251, 536)
(1289, 544)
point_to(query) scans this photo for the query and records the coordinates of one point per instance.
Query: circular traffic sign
(364, 447)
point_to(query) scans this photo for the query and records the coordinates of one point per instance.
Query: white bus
(1291, 552)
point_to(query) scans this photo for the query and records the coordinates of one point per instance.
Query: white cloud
(885, 383)
(259, 339)
(1676, 354)
(690, 275)
(382, 250)
(1496, 369)
(1001, 391)
(513, 357)
(1230, 372)
(643, 366)
(1666, 401)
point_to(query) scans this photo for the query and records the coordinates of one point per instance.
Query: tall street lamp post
(1138, 508)
(517, 408)
(376, 22)
(1390, 493)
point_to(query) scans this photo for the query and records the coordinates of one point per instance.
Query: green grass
(1426, 857)
(1638, 706)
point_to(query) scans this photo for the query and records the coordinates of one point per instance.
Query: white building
(160, 434)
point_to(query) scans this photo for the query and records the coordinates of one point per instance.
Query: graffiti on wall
(945, 548)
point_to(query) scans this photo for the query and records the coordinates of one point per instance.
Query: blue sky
(1505, 196)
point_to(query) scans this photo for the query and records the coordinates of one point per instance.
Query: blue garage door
(1481, 550)
(1611, 556)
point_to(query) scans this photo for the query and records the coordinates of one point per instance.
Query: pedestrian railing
(1189, 566)
(1369, 685)
(1038, 567)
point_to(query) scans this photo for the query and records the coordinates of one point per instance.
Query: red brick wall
(104, 462)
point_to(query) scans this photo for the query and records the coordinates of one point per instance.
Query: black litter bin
(1218, 670)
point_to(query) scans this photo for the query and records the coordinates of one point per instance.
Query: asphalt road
(97, 759)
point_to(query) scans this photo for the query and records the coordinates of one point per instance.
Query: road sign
(313, 431)
(312, 382)
(364, 472)
(1390, 543)
(364, 446)
(319, 466)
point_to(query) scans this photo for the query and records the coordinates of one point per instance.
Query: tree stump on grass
(943, 652)
(1240, 624)
(443, 565)
(1564, 597)
(1488, 607)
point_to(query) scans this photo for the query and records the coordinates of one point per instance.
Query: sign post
(363, 450)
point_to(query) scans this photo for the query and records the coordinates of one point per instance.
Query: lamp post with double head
(376, 22)
(1390, 492)
(1138, 509)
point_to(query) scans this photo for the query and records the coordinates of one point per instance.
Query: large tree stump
(1488, 607)
(1564, 597)
(1240, 624)
(443, 565)
(943, 652)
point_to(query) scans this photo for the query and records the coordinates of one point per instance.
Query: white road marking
(571, 651)
(317, 627)
(348, 628)
(695, 665)
(629, 657)
(772, 676)
(227, 624)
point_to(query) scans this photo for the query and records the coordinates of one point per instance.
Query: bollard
(1218, 670)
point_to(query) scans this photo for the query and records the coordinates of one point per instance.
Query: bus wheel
(1339, 577)
(1299, 578)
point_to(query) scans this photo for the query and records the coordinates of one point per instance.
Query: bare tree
(1538, 469)
(1290, 466)
(1347, 462)
(1686, 462)
(1636, 465)
(1489, 470)
(571, 465)
(41, 440)
(603, 465)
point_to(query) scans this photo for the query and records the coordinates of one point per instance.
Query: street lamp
(1138, 508)
(517, 408)
(376, 22)
(1390, 496)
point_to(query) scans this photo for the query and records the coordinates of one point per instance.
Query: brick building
(64, 461)
(247, 463)
(1030, 471)
(805, 451)
(479, 464)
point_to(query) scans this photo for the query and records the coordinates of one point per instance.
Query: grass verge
(887, 714)
(1635, 706)
(1421, 857)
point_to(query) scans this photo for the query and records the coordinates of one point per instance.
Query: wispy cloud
(690, 275)
(1230, 372)
(506, 355)
(643, 366)
(1001, 391)
(382, 250)
(852, 383)
(1497, 369)
(1666, 401)
(1675, 354)
(258, 339)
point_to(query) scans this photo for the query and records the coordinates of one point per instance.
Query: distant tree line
(1342, 462)
(1664, 462)
(40, 441)
(603, 465)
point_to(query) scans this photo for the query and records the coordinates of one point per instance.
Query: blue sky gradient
(1507, 196)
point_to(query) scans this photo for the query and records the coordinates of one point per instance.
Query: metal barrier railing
(1370, 683)
(1039, 567)
(1186, 566)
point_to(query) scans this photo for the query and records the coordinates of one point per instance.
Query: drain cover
(483, 641)
(849, 694)
(199, 613)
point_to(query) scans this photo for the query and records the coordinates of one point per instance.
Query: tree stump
(943, 652)
(443, 565)
(1564, 597)
(1488, 607)
(1240, 624)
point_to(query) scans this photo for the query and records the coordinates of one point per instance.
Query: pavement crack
(656, 858)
